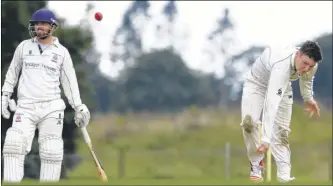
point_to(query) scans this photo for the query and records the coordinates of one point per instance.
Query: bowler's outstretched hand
(312, 107)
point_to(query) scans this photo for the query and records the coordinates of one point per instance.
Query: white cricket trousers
(47, 117)
(253, 99)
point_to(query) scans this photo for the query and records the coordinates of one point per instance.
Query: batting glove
(82, 116)
(5, 103)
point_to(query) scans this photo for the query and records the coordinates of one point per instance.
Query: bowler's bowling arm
(278, 82)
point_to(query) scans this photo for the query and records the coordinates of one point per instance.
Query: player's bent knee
(51, 148)
(15, 142)
(248, 124)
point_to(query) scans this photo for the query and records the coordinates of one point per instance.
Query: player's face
(304, 63)
(42, 29)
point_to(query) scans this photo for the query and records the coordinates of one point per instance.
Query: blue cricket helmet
(45, 16)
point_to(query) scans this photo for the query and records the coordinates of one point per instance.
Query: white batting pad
(51, 155)
(13, 155)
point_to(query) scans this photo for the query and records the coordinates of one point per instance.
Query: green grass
(187, 148)
(190, 145)
(175, 182)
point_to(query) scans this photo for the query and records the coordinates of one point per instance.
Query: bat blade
(98, 163)
(99, 166)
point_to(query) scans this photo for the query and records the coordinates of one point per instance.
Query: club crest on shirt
(54, 58)
(279, 92)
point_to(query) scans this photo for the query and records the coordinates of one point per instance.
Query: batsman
(267, 98)
(44, 64)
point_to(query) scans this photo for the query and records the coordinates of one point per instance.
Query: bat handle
(85, 135)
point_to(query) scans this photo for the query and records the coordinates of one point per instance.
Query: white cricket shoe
(285, 179)
(256, 173)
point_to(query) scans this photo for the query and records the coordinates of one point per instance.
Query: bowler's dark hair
(313, 50)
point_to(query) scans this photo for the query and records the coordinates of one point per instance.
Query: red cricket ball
(98, 16)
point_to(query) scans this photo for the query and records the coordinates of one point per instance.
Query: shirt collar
(292, 60)
(55, 41)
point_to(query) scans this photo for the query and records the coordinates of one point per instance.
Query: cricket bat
(98, 163)
(269, 165)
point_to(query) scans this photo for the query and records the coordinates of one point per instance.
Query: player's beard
(42, 33)
(301, 71)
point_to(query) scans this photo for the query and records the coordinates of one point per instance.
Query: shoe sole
(256, 179)
(286, 181)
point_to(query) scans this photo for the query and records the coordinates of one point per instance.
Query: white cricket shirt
(273, 71)
(42, 73)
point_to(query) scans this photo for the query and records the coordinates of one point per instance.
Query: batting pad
(13, 155)
(51, 154)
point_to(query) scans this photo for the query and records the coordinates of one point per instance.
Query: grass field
(189, 148)
(176, 182)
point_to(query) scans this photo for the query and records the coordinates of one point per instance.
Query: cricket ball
(98, 16)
